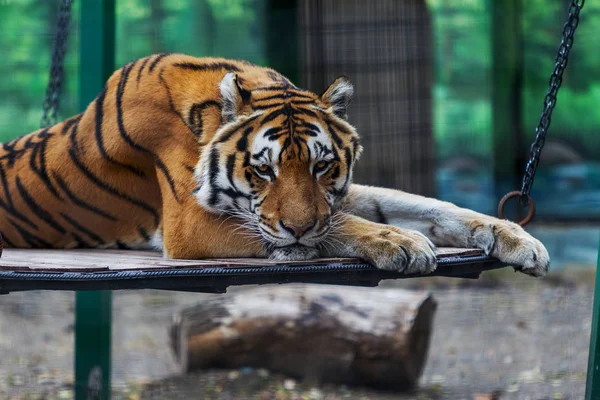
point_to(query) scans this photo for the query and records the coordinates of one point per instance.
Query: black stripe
(273, 115)
(273, 134)
(165, 171)
(338, 141)
(248, 176)
(266, 106)
(111, 189)
(5, 186)
(37, 156)
(242, 144)
(37, 209)
(380, 215)
(208, 67)
(229, 134)
(81, 243)
(310, 126)
(302, 94)
(355, 145)
(213, 172)
(139, 75)
(43, 170)
(279, 96)
(144, 234)
(69, 123)
(7, 241)
(273, 88)
(348, 169)
(246, 159)
(335, 173)
(107, 187)
(308, 132)
(82, 228)
(171, 103)
(100, 139)
(156, 61)
(296, 102)
(119, 103)
(304, 110)
(195, 115)
(122, 245)
(229, 168)
(13, 154)
(338, 126)
(10, 209)
(258, 155)
(80, 202)
(29, 238)
(234, 194)
(287, 95)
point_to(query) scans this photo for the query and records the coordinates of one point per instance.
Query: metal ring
(510, 195)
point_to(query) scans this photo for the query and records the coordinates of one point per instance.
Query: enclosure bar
(282, 41)
(507, 82)
(592, 387)
(93, 310)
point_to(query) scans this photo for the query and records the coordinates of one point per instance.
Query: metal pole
(507, 82)
(93, 309)
(592, 387)
(282, 38)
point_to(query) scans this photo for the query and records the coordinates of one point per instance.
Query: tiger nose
(296, 230)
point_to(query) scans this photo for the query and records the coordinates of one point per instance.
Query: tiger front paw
(394, 249)
(511, 244)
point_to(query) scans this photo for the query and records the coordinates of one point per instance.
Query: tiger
(211, 158)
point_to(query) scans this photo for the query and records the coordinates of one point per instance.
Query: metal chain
(560, 64)
(59, 48)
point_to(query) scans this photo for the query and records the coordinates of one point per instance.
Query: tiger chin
(222, 158)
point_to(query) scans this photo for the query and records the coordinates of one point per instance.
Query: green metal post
(93, 310)
(592, 387)
(507, 83)
(282, 38)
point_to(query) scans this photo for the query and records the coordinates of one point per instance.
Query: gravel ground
(503, 337)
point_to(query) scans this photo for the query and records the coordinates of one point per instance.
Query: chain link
(59, 48)
(560, 64)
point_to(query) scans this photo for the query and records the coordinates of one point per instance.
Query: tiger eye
(321, 165)
(263, 169)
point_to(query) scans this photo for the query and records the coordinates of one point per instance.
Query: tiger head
(281, 162)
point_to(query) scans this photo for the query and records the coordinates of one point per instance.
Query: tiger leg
(445, 224)
(385, 246)
(190, 232)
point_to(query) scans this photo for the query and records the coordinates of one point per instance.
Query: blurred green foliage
(463, 46)
(224, 28)
(236, 28)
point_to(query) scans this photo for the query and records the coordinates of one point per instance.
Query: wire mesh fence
(384, 47)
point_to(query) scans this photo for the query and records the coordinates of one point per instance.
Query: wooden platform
(24, 269)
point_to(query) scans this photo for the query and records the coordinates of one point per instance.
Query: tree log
(356, 336)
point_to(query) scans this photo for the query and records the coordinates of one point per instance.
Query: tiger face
(281, 162)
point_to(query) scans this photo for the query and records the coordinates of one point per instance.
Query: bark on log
(355, 336)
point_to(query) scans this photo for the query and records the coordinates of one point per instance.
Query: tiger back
(178, 151)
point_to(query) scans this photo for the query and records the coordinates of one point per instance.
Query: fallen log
(357, 336)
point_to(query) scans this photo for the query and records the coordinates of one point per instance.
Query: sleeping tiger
(209, 157)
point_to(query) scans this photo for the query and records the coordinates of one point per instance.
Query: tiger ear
(233, 97)
(339, 96)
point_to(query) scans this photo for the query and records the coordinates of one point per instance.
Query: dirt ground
(505, 336)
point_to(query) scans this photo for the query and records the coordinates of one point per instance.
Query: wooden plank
(125, 260)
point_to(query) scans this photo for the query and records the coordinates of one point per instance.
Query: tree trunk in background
(354, 336)
(385, 48)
